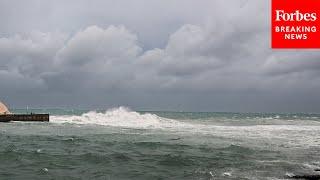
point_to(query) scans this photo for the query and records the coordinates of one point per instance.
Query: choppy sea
(124, 144)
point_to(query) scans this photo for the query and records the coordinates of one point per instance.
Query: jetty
(7, 116)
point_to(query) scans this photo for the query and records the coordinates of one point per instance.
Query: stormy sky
(178, 55)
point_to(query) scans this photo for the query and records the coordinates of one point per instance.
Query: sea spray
(118, 117)
(287, 133)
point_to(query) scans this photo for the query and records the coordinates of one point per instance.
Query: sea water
(124, 144)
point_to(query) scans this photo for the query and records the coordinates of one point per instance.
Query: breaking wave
(302, 135)
(118, 117)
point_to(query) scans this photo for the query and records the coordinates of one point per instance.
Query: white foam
(313, 165)
(228, 174)
(118, 117)
(292, 135)
(289, 174)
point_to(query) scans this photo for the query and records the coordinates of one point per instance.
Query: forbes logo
(281, 15)
(295, 24)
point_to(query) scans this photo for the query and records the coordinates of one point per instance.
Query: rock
(306, 177)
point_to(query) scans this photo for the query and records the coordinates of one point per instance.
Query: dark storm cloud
(182, 55)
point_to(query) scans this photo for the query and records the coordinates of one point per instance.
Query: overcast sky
(182, 55)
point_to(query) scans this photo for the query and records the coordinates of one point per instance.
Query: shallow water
(124, 144)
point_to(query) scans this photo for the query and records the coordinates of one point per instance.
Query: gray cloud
(156, 55)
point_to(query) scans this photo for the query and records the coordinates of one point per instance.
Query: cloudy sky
(186, 55)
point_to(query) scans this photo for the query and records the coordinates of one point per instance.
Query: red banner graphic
(295, 24)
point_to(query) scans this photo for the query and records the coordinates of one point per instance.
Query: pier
(7, 116)
(25, 117)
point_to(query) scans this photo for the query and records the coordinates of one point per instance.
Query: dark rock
(306, 177)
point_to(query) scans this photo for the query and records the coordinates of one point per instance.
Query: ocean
(124, 144)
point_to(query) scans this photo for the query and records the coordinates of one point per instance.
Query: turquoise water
(124, 144)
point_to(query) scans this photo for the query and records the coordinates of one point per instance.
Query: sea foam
(118, 117)
(288, 135)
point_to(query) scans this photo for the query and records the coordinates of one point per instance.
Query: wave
(286, 135)
(118, 117)
(125, 117)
